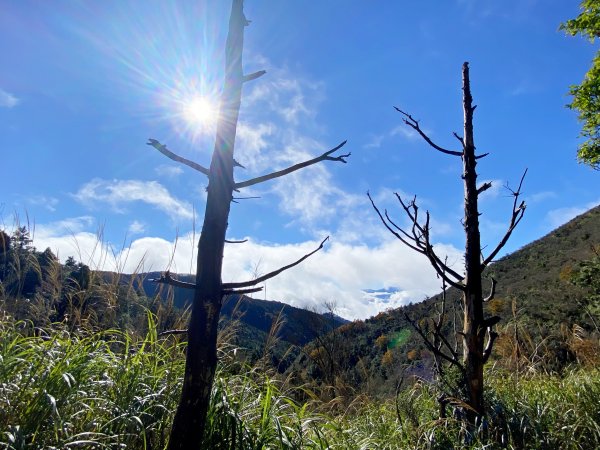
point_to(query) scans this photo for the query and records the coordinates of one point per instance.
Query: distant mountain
(534, 279)
(254, 318)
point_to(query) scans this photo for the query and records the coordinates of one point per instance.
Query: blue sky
(85, 84)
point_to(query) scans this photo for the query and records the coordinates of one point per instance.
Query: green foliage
(102, 390)
(586, 96)
(588, 277)
(61, 389)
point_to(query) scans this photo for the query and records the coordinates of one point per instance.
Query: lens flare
(200, 111)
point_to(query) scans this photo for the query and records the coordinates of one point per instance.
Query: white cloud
(494, 191)
(71, 237)
(137, 227)
(292, 98)
(540, 196)
(8, 100)
(70, 225)
(168, 171)
(310, 196)
(404, 131)
(252, 146)
(340, 272)
(375, 141)
(560, 216)
(41, 200)
(118, 193)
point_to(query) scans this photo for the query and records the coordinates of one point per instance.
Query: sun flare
(200, 111)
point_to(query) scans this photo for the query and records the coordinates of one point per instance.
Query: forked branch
(169, 154)
(324, 157)
(418, 239)
(430, 346)
(270, 275)
(414, 124)
(516, 216)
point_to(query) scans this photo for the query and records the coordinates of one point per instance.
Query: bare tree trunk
(209, 290)
(201, 360)
(478, 336)
(473, 325)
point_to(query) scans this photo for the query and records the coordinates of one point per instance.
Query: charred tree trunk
(473, 322)
(201, 359)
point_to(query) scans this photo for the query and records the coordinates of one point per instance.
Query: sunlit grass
(62, 389)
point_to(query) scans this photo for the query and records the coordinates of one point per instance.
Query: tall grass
(108, 389)
(101, 390)
(61, 390)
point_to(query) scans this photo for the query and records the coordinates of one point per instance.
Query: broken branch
(241, 291)
(324, 157)
(169, 154)
(253, 76)
(484, 187)
(269, 275)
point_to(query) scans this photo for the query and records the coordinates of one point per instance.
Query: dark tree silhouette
(477, 333)
(209, 290)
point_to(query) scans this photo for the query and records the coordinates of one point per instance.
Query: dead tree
(477, 335)
(209, 290)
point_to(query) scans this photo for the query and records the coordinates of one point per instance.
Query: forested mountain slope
(534, 296)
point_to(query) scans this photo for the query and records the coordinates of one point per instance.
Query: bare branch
(166, 278)
(419, 241)
(421, 238)
(390, 229)
(169, 154)
(241, 291)
(516, 216)
(484, 187)
(228, 241)
(324, 157)
(483, 155)
(254, 76)
(460, 139)
(492, 335)
(414, 124)
(269, 275)
(430, 345)
(492, 291)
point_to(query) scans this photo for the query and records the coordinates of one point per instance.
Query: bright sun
(200, 111)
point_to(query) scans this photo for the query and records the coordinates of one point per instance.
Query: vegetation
(100, 374)
(586, 96)
(61, 389)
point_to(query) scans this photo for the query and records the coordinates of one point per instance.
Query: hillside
(372, 354)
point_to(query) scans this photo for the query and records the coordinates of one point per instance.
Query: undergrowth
(63, 389)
